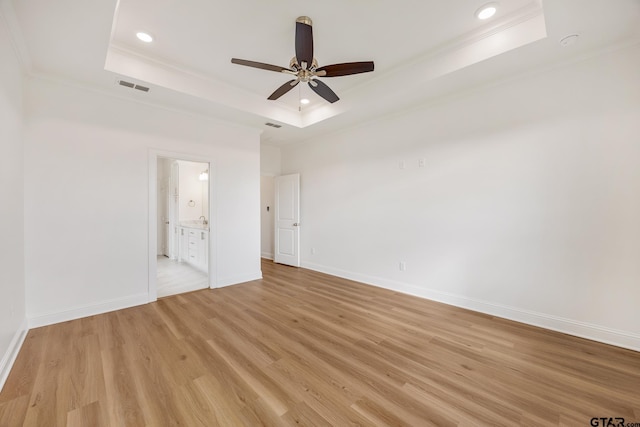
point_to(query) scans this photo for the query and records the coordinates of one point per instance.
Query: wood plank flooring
(303, 348)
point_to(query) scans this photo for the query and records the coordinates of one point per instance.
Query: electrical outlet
(402, 266)
(421, 163)
(313, 251)
(401, 164)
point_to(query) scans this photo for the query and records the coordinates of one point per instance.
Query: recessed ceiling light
(145, 37)
(487, 11)
(304, 101)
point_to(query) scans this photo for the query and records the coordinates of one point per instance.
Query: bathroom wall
(191, 189)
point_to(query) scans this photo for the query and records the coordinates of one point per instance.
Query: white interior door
(287, 220)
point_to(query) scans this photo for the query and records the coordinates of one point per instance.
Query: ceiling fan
(305, 67)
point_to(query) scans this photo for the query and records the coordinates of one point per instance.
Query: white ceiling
(424, 50)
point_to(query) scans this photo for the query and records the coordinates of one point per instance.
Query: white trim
(267, 255)
(9, 358)
(586, 330)
(45, 319)
(235, 280)
(152, 232)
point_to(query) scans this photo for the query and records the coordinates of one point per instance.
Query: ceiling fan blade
(283, 89)
(345, 69)
(260, 65)
(323, 90)
(304, 43)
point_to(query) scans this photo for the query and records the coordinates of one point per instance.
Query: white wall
(270, 166)
(527, 206)
(86, 197)
(191, 188)
(270, 162)
(267, 224)
(12, 284)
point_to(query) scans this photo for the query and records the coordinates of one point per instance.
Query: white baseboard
(266, 255)
(45, 319)
(228, 281)
(9, 357)
(568, 326)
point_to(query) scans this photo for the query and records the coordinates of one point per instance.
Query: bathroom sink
(194, 224)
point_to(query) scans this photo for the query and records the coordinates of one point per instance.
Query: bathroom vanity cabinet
(194, 246)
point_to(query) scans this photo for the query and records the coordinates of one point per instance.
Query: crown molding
(60, 81)
(8, 15)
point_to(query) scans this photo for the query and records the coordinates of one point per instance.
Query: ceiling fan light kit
(304, 66)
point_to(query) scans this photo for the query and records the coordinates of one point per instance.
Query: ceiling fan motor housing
(305, 20)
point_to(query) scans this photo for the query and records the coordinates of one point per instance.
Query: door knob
(296, 224)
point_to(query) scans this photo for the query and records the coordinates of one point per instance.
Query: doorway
(287, 220)
(180, 225)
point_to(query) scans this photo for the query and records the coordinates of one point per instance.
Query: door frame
(152, 249)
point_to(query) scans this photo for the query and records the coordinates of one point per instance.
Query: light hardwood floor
(303, 348)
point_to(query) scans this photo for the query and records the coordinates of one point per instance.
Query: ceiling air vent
(133, 85)
(273, 125)
(127, 84)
